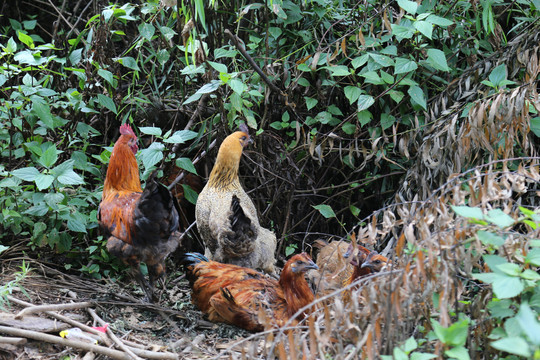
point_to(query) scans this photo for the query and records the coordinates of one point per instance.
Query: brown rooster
(137, 224)
(246, 298)
(226, 217)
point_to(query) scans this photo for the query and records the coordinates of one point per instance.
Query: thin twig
(116, 340)
(57, 307)
(197, 159)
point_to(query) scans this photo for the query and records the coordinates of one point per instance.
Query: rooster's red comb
(125, 129)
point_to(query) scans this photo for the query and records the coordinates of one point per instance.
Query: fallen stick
(42, 308)
(114, 354)
(12, 340)
(114, 338)
(67, 320)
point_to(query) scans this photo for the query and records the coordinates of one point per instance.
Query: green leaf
(49, 157)
(167, 32)
(352, 93)
(147, 31)
(382, 59)
(186, 164)
(205, 89)
(354, 210)
(513, 345)
(437, 20)
(237, 86)
(26, 173)
(402, 32)
(533, 257)
(424, 27)
(499, 218)
(459, 353)
(529, 323)
(65, 175)
(509, 269)
(468, 212)
(44, 181)
(365, 101)
(535, 126)
(221, 68)
(325, 210)
(3, 248)
(150, 130)
(275, 31)
(129, 62)
(107, 102)
(310, 102)
(339, 70)
(422, 356)
(408, 6)
(417, 95)
(410, 345)
(372, 78)
(387, 121)
(348, 128)
(489, 238)
(76, 225)
(437, 59)
(505, 287)
(152, 154)
(181, 136)
(498, 75)
(399, 354)
(43, 112)
(75, 56)
(359, 61)
(25, 39)
(107, 75)
(190, 194)
(403, 66)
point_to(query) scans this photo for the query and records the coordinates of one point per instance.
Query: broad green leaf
(147, 31)
(403, 66)
(310, 102)
(107, 75)
(458, 352)
(397, 96)
(387, 121)
(422, 356)
(352, 93)
(348, 128)
(186, 164)
(399, 354)
(238, 86)
(152, 155)
(65, 175)
(43, 181)
(26, 173)
(533, 257)
(499, 218)
(510, 269)
(205, 89)
(3, 248)
(498, 75)
(25, 39)
(505, 287)
(359, 61)
(513, 345)
(493, 261)
(75, 56)
(167, 32)
(107, 102)
(339, 70)
(76, 225)
(437, 59)
(424, 27)
(382, 59)
(218, 67)
(325, 210)
(387, 78)
(163, 56)
(181, 136)
(275, 31)
(417, 95)
(373, 78)
(437, 20)
(468, 212)
(129, 62)
(150, 130)
(43, 112)
(529, 323)
(410, 345)
(489, 238)
(408, 6)
(49, 157)
(365, 101)
(190, 194)
(402, 32)
(354, 210)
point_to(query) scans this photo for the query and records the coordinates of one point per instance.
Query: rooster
(247, 298)
(226, 217)
(137, 224)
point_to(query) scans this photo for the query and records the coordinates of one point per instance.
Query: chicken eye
(243, 138)
(377, 261)
(298, 262)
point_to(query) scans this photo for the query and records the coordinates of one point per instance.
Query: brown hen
(246, 298)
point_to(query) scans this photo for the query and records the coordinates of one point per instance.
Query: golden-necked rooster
(247, 298)
(137, 224)
(226, 217)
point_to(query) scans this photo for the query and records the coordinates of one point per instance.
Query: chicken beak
(367, 265)
(311, 266)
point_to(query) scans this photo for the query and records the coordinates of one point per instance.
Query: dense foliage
(350, 102)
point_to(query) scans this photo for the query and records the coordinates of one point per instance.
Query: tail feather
(240, 240)
(156, 214)
(190, 259)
